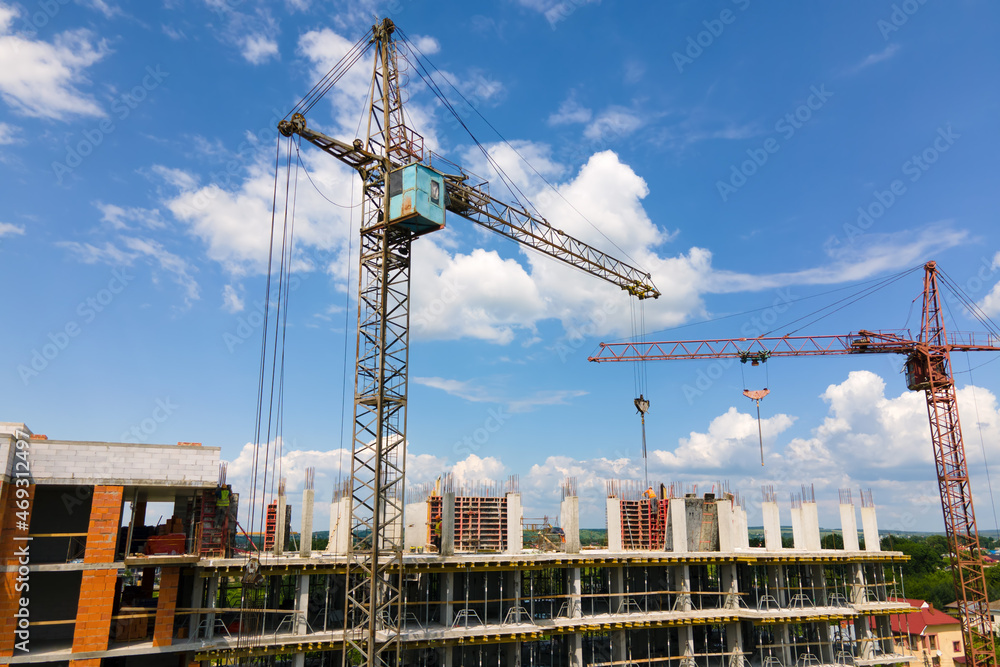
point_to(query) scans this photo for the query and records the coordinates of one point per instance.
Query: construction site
(677, 583)
(453, 574)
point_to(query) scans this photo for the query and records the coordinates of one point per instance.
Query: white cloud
(481, 392)
(259, 48)
(235, 224)
(7, 134)
(884, 54)
(128, 249)
(570, 112)
(232, 301)
(119, 218)
(427, 45)
(555, 11)
(732, 442)
(870, 438)
(41, 79)
(10, 229)
(990, 304)
(615, 121)
(102, 6)
(332, 466)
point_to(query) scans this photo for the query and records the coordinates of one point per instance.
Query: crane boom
(860, 342)
(928, 369)
(515, 222)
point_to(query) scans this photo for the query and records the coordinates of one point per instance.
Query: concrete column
(819, 581)
(515, 535)
(858, 592)
(685, 579)
(213, 599)
(619, 647)
(449, 656)
(302, 604)
(448, 525)
(727, 525)
(575, 591)
(614, 525)
(617, 588)
(786, 649)
(416, 518)
(197, 593)
(678, 525)
(825, 646)
(810, 526)
(340, 527)
(512, 652)
(734, 639)
(575, 650)
(729, 583)
(798, 538)
(569, 520)
(744, 531)
(849, 526)
(772, 526)
(448, 591)
(305, 546)
(870, 525)
(279, 528)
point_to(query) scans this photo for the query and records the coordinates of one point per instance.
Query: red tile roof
(915, 623)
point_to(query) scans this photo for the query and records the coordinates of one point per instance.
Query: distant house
(994, 614)
(934, 637)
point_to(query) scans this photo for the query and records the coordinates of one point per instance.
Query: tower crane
(403, 198)
(928, 369)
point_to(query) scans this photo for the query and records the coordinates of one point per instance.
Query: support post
(448, 525)
(569, 519)
(849, 527)
(515, 535)
(614, 506)
(305, 546)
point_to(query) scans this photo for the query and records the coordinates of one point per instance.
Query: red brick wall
(163, 633)
(93, 616)
(97, 587)
(105, 516)
(8, 556)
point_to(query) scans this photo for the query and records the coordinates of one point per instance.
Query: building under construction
(678, 581)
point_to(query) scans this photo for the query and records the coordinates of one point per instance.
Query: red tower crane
(928, 369)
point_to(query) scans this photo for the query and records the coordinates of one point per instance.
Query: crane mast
(373, 602)
(928, 369)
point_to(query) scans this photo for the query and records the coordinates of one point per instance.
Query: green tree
(832, 541)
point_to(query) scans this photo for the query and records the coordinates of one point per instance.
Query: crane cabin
(417, 198)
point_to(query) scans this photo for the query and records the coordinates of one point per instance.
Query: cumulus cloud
(8, 134)
(127, 250)
(259, 48)
(289, 460)
(483, 392)
(10, 229)
(42, 79)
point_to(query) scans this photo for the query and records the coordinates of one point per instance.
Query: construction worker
(436, 540)
(650, 496)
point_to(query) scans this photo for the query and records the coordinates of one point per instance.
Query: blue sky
(753, 158)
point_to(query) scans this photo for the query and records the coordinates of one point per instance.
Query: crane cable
(519, 155)
(638, 318)
(253, 593)
(976, 312)
(334, 75)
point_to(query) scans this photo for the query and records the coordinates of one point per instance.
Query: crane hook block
(756, 394)
(294, 126)
(642, 404)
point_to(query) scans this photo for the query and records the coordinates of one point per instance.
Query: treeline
(927, 575)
